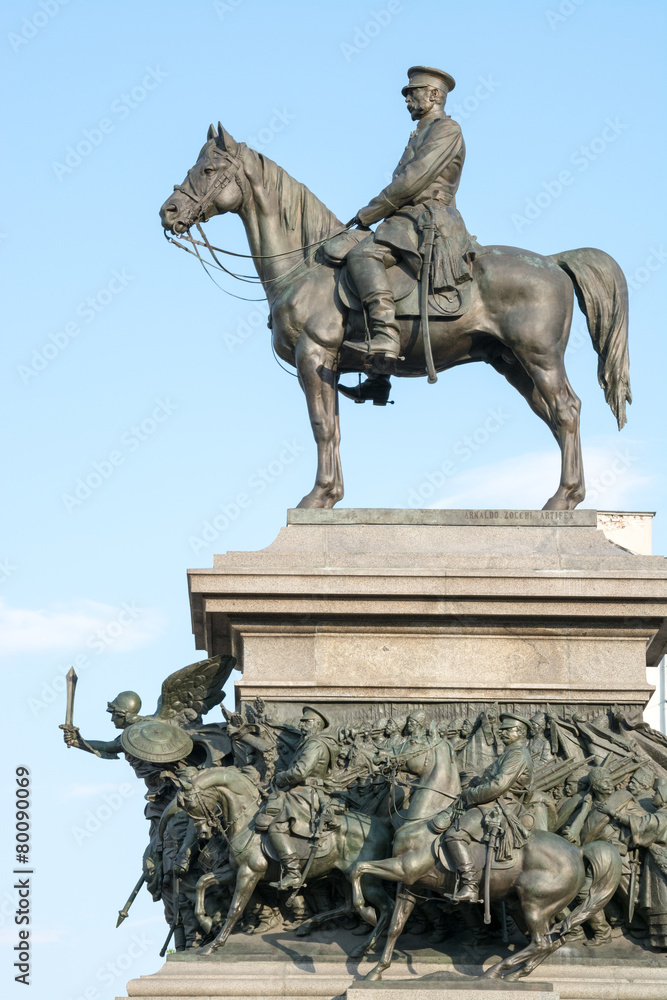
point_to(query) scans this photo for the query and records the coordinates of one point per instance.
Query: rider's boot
(468, 891)
(370, 277)
(375, 388)
(291, 872)
(289, 861)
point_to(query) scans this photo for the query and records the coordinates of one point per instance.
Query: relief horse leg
(246, 881)
(405, 903)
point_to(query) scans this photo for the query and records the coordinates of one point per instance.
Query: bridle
(202, 202)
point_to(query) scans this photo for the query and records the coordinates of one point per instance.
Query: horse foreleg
(246, 880)
(204, 883)
(408, 868)
(380, 898)
(319, 380)
(405, 902)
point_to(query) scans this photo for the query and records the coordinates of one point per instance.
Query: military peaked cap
(508, 719)
(427, 76)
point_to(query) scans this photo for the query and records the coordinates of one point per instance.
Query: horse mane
(298, 207)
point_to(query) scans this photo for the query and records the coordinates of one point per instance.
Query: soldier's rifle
(122, 914)
(556, 772)
(176, 919)
(624, 768)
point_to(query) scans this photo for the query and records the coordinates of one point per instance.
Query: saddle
(302, 846)
(478, 854)
(449, 303)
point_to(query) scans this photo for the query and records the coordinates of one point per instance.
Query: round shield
(156, 741)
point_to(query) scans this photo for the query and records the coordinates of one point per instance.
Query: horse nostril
(170, 209)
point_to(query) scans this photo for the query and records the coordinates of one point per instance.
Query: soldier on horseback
(505, 785)
(299, 800)
(420, 195)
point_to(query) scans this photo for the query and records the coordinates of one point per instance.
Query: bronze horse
(225, 800)
(548, 874)
(518, 320)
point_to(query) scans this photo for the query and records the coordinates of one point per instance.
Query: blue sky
(118, 345)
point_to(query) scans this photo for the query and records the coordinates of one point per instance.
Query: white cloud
(612, 472)
(69, 627)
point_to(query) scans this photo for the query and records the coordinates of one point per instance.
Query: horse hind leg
(554, 395)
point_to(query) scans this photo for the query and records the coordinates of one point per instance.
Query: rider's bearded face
(420, 100)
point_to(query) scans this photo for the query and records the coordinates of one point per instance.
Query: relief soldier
(299, 797)
(505, 784)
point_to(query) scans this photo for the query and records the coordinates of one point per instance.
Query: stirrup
(288, 880)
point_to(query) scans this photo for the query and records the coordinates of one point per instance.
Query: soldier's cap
(157, 742)
(508, 719)
(427, 76)
(309, 712)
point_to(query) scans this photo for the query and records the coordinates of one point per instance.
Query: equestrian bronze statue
(418, 296)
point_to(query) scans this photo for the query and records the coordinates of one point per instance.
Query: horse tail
(602, 294)
(604, 865)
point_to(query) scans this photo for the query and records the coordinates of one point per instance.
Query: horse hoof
(374, 976)
(358, 953)
(303, 930)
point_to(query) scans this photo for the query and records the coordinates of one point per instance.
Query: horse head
(217, 798)
(211, 187)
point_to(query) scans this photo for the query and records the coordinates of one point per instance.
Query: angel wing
(190, 692)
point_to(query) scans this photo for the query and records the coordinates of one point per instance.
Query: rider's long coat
(425, 182)
(507, 781)
(300, 804)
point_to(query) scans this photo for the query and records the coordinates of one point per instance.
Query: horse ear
(226, 142)
(211, 134)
